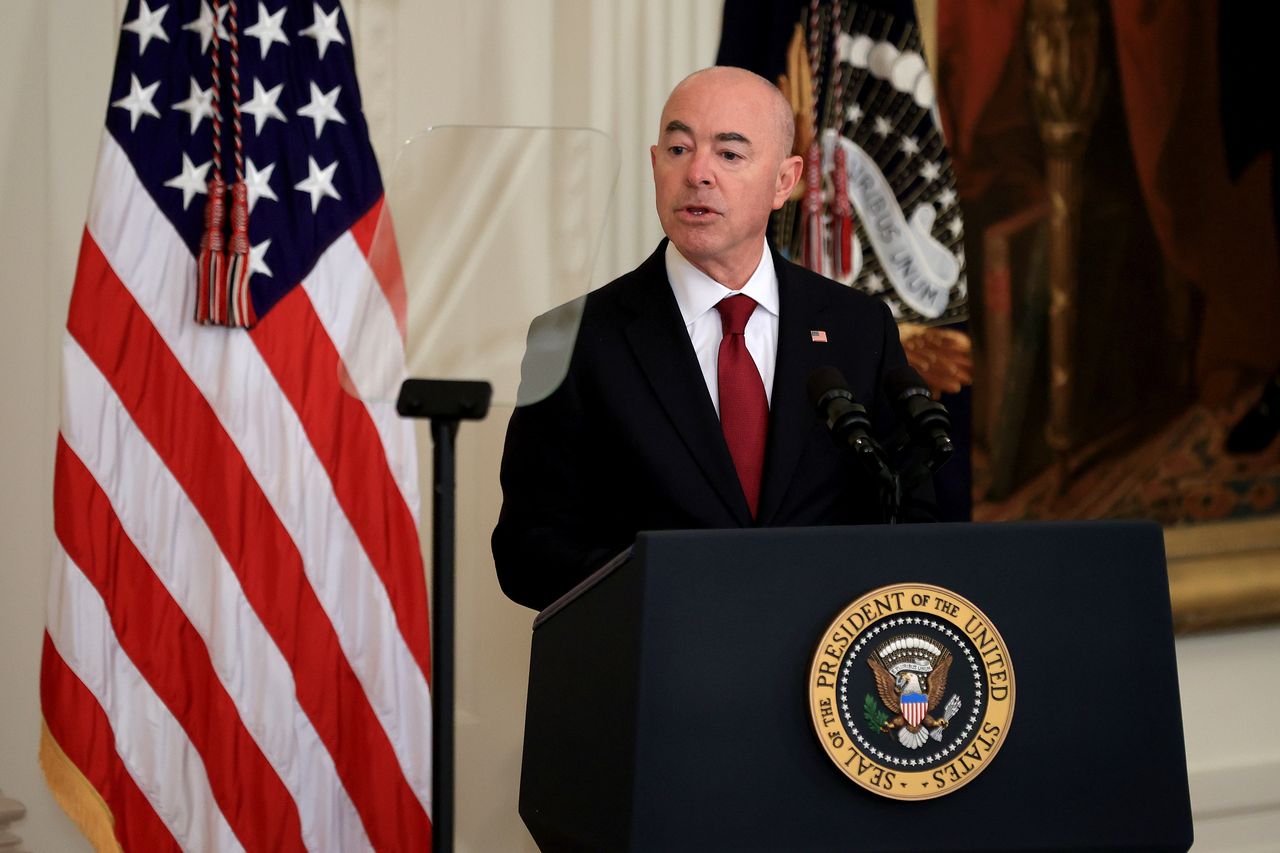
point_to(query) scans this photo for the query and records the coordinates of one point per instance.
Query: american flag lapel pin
(818, 336)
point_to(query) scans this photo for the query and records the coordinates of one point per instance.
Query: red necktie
(744, 408)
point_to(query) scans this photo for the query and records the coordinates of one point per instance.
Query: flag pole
(445, 403)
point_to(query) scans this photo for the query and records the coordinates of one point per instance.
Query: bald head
(727, 77)
(722, 164)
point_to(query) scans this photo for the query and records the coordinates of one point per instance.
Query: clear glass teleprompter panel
(483, 230)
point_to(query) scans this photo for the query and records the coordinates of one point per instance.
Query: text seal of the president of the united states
(911, 691)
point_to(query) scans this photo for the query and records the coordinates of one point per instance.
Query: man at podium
(684, 405)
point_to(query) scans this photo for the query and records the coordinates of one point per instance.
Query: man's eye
(677, 149)
(731, 155)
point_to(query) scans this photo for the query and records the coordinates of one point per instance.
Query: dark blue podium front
(667, 705)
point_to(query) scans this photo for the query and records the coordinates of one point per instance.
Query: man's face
(718, 170)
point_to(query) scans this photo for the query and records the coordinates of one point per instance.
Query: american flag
(236, 654)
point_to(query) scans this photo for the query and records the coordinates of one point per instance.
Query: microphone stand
(918, 467)
(893, 502)
(445, 403)
(850, 427)
(890, 481)
(925, 426)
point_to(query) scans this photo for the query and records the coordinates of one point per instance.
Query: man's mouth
(697, 212)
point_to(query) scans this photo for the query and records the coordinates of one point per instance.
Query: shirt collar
(697, 293)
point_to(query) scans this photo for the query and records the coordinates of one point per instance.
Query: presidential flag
(236, 654)
(877, 207)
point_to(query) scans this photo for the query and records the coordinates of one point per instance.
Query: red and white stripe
(238, 587)
(914, 711)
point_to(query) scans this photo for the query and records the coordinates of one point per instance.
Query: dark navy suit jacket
(630, 440)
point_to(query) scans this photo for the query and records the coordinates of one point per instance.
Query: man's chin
(694, 246)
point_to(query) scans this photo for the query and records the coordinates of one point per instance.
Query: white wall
(1230, 685)
(568, 62)
(55, 64)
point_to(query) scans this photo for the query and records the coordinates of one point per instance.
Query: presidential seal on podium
(911, 691)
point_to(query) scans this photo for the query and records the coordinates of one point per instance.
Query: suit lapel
(662, 347)
(790, 418)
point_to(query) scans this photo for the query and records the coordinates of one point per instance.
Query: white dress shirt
(697, 294)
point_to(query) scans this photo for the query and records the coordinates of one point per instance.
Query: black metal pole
(891, 497)
(443, 433)
(445, 402)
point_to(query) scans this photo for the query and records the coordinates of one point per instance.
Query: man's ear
(653, 156)
(788, 176)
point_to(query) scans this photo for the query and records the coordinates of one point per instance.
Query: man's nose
(701, 172)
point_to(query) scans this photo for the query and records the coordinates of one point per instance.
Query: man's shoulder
(817, 288)
(591, 316)
(633, 286)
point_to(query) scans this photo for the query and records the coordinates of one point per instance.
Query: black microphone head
(903, 381)
(822, 381)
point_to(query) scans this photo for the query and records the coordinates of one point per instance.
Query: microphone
(925, 419)
(829, 394)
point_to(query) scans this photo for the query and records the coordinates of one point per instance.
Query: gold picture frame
(1224, 574)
